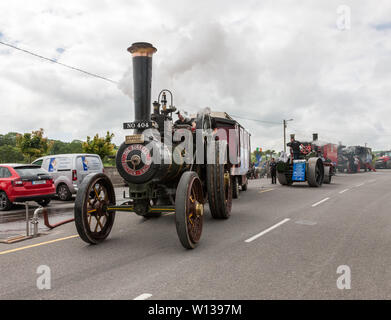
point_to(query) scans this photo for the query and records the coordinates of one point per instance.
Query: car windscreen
(30, 171)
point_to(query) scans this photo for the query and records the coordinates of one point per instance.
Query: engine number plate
(138, 125)
(134, 138)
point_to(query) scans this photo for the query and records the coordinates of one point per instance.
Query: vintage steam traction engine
(353, 158)
(175, 182)
(316, 164)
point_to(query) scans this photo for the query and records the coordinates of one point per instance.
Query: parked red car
(21, 182)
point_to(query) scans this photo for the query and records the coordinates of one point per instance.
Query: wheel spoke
(96, 193)
(98, 222)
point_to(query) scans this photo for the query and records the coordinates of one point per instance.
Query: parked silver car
(69, 170)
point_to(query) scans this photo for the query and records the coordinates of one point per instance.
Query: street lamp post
(284, 125)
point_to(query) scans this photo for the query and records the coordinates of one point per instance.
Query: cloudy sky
(262, 60)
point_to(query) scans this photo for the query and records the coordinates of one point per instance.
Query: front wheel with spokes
(93, 220)
(189, 209)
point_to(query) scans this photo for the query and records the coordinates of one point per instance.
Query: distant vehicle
(21, 182)
(316, 164)
(69, 170)
(384, 161)
(353, 158)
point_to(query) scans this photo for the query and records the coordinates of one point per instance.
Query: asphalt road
(256, 254)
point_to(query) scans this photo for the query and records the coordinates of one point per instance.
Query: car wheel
(5, 204)
(44, 202)
(63, 192)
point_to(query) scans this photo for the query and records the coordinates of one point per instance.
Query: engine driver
(295, 146)
(183, 118)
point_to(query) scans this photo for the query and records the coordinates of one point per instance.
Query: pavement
(279, 243)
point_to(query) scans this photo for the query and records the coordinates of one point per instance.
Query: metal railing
(32, 224)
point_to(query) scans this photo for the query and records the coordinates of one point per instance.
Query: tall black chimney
(314, 137)
(142, 73)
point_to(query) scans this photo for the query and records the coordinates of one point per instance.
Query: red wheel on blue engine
(189, 209)
(93, 221)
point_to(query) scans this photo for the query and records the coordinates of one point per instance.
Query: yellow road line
(37, 244)
(265, 190)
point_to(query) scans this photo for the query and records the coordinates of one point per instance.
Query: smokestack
(142, 73)
(314, 136)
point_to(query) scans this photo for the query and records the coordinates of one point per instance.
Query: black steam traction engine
(313, 166)
(174, 183)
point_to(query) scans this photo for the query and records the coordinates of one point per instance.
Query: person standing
(273, 170)
(295, 146)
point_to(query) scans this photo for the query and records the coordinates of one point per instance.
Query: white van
(69, 170)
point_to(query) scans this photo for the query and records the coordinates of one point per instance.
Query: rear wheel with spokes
(219, 186)
(93, 220)
(235, 187)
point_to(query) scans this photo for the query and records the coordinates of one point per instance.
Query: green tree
(8, 139)
(269, 153)
(76, 146)
(59, 147)
(10, 154)
(101, 146)
(33, 145)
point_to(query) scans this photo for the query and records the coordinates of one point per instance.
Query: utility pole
(284, 125)
(284, 122)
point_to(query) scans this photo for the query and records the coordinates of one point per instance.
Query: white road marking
(266, 231)
(168, 214)
(143, 296)
(359, 185)
(321, 201)
(344, 191)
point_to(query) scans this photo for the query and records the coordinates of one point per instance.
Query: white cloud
(266, 60)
